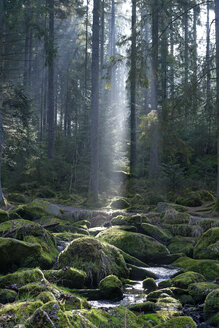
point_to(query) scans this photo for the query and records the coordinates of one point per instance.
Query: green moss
(3, 216)
(67, 277)
(208, 268)
(183, 280)
(95, 258)
(20, 278)
(135, 220)
(179, 322)
(149, 284)
(139, 273)
(31, 290)
(17, 198)
(171, 216)
(120, 203)
(168, 303)
(200, 290)
(138, 245)
(7, 296)
(67, 236)
(146, 307)
(111, 288)
(155, 232)
(12, 314)
(50, 314)
(181, 245)
(31, 211)
(214, 320)
(45, 297)
(211, 305)
(208, 245)
(208, 224)
(155, 295)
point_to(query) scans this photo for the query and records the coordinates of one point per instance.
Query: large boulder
(178, 322)
(97, 259)
(208, 245)
(26, 243)
(183, 280)
(18, 279)
(200, 290)
(138, 245)
(111, 288)
(211, 307)
(67, 277)
(155, 232)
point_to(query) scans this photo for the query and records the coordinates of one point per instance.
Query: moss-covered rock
(211, 305)
(155, 295)
(45, 297)
(7, 296)
(16, 253)
(50, 314)
(171, 216)
(183, 245)
(67, 277)
(149, 284)
(166, 302)
(135, 220)
(155, 232)
(66, 236)
(200, 290)
(97, 259)
(178, 322)
(111, 288)
(32, 211)
(72, 302)
(15, 313)
(31, 290)
(120, 203)
(20, 278)
(208, 245)
(138, 245)
(38, 245)
(183, 280)
(146, 307)
(139, 273)
(208, 224)
(208, 268)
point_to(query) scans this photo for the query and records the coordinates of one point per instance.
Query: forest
(109, 163)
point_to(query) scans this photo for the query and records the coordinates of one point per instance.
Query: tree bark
(94, 179)
(217, 86)
(133, 153)
(51, 132)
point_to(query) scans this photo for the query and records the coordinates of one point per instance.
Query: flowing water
(135, 294)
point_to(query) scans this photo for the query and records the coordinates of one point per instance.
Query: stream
(135, 294)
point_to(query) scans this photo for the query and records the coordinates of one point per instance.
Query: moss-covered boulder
(20, 278)
(166, 302)
(183, 245)
(32, 289)
(208, 224)
(208, 245)
(146, 307)
(16, 253)
(16, 313)
(111, 288)
(200, 290)
(38, 244)
(211, 306)
(50, 314)
(32, 211)
(140, 273)
(208, 268)
(66, 236)
(135, 220)
(7, 296)
(183, 280)
(149, 284)
(120, 203)
(45, 297)
(155, 295)
(138, 245)
(156, 232)
(171, 216)
(178, 322)
(97, 259)
(67, 277)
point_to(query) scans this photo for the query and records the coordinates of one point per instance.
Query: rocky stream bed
(69, 267)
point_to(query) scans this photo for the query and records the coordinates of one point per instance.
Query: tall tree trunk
(86, 50)
(208, 72)
(133, 152)
(217, 86)
(94, 185)
(153, 165)
(51, 132)
(194, 80)
(186, 48)
(172, 82)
